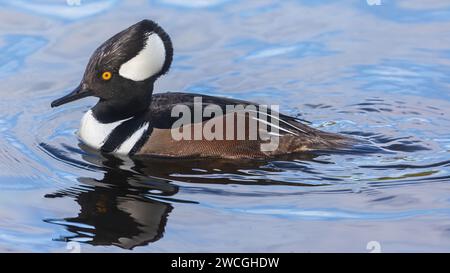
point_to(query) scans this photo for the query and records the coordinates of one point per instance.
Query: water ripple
(67, 10)
(333, 214)
(16, 48)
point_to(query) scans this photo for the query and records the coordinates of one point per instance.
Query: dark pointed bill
(79, 93)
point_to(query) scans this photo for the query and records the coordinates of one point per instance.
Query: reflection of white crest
(73, 2)
(374, 247)
(373, 2)
(74, 247)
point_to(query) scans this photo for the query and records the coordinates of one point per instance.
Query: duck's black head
(121, 72)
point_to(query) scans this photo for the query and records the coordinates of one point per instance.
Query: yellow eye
(106, 75)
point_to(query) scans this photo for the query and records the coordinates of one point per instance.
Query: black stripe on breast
(122, 132)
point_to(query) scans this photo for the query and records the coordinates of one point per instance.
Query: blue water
(377, 72)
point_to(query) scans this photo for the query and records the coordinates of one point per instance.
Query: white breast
(94, 133)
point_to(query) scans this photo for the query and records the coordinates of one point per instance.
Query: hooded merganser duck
(130, 120)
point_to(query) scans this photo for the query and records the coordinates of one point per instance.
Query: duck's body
(129, 120)
(151, 133)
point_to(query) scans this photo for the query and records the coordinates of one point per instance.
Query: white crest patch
(148, 62)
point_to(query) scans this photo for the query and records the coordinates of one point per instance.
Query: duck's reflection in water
(131, 204)
(117, 209)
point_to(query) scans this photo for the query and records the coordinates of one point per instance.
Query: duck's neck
(111, 111)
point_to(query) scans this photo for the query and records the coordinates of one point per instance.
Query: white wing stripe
(295, 127)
